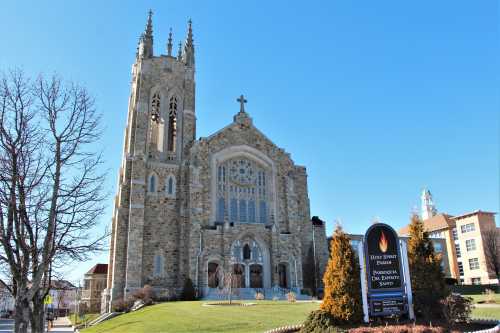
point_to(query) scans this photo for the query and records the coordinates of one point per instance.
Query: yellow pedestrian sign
(47, 299)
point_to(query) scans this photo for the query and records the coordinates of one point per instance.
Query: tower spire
(428, 207)
(179, 53)
(149, 26)
(169, 44)
(145, 49)
(188, 55)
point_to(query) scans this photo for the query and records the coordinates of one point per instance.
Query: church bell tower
(161, 127)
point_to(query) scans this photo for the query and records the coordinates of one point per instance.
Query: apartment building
(467, 245)
(94, 282)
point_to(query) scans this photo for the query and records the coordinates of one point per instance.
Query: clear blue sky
(377, 98)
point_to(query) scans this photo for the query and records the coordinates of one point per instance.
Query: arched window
(170, 186)
(152, 183)
(243, 185)
(172, 124)
(247, 253)
(155, 119)
(158, 265)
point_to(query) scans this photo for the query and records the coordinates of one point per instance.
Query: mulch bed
(404, 328)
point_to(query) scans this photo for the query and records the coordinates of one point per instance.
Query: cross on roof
(242, 101)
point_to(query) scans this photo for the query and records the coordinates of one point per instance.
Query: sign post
(361, 254)
(386, 287)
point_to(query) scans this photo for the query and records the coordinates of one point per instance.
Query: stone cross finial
(242, 101)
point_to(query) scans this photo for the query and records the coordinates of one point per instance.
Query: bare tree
(51, 194)
(229, 282)
(491, 245)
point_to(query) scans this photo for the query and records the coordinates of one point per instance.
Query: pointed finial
(179, 53)
(169, 45)
(149, 25)
(189, 40)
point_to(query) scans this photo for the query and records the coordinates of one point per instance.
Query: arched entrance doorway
(256, 276)
(282, 275)
(213, 275)
(238, 278)
(253, 259)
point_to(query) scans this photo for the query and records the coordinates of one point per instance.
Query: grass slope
(183, 317)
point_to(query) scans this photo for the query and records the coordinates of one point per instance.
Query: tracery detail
(242, 190)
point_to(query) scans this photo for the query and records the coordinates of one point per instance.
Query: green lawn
(481, 297)
(493, 313)
(182, 317)
(88, 317)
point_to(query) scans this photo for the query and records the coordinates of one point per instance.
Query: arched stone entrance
(213, 275)
(252, 256)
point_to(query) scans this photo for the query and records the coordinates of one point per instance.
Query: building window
(460, 268)
(473, 263)
(220, 210)
(171, 185)
(172, 124)
(234, 210)
(158, 266)
(454, 233)
(152, 184)
(470, 244)
(457, 250)
(251, 211)
(438, 247)
(155, 120)
(241, 183)
(263, 212)
(468, 227)
(243, 211)
(475, 280)
(247, 253)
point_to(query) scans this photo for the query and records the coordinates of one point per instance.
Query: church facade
(196, 208)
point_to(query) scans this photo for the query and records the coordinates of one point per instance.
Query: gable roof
(99, 269)
(437, 222)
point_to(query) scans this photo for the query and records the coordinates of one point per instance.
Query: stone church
(193, 208)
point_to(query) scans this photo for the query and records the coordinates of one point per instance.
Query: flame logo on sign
(383, 243)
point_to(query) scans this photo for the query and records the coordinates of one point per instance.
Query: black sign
(383, 259)
(385, 275)
(384, 306)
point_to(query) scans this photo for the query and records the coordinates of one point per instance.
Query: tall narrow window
(158, 266)
(263, 212)
(155, 119)
(243, 211)
(234, 210)
(220, 210)
(251, 211)
(170, 185)
(152, 183)
(172, 124)
(247, 253)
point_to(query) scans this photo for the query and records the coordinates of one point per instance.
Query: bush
(321, 321)
(259, 296)
(342, 293)
(291, 297)
(144, 294)
(427, 278)
(188, 292)
(456, 308)
(123, 305)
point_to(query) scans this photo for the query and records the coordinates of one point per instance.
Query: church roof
(99, 269)
(437, 222)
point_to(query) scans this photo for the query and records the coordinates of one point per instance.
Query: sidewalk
(62, 324)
